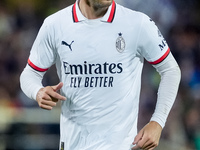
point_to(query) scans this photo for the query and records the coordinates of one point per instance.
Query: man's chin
(104, 3)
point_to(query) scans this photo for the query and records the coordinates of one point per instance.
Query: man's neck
(91, 12)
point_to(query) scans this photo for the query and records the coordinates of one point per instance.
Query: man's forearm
(31, 81)
(170, 79)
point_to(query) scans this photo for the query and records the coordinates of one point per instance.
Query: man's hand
(47, 97)
(148, 137)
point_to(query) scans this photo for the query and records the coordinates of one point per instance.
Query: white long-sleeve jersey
(100, 63)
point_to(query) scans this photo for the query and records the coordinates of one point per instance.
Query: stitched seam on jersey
(139, 34)
(53, 44)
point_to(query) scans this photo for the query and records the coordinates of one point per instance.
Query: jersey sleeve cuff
(34, 93)
(157, 119)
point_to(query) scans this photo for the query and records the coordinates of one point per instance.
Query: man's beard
(97, 5)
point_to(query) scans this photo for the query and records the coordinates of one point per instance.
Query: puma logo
(66, 44)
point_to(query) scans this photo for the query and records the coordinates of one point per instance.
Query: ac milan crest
(120, 43)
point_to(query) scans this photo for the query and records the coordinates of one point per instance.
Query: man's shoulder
(60, 15)
(129, 14)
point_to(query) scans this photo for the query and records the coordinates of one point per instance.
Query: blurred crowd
(179, 21)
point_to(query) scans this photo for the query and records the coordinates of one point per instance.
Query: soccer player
(99, 48)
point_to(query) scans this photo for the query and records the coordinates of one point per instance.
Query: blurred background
(25, 126)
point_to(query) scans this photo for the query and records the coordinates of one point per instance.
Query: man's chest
(96, 44)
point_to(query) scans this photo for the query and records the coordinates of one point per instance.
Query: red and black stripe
(35, 67)
(112, 13)
(74, 14)
(161, 58)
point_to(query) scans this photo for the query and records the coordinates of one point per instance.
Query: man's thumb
(57, 87)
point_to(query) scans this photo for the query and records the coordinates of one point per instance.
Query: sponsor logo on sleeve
(163, 43)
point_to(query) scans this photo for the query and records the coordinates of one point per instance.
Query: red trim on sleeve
(112, 13)
(161, 58)
(74, 13)
(35, 67)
